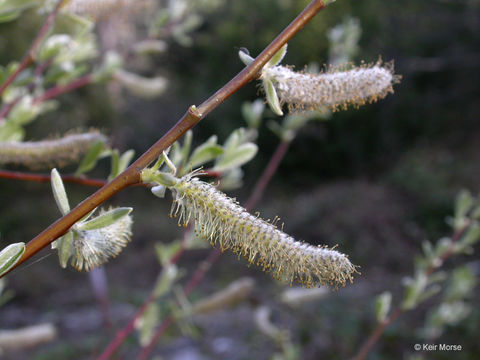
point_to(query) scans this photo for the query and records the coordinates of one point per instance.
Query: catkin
(92, 248)
(222, 221)
(333, 89)
(49, 153)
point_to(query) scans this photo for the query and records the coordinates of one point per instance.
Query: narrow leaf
(237, 158)
(272, 98)
(204, 153)
(59, 192)
(275, 60)
(115, 165)
(90, 159)
(125, 160)
(64, 245)
(105, 219)
(10, 256)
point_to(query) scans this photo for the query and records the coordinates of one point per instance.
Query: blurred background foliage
(376, 181)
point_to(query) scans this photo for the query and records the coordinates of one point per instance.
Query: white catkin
(222, 221)
(333, 89)
(49, 153)
(93, 248)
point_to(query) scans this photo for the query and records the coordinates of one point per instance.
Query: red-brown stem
(201, 270)
(17, 175)
(132, 175)
(379, 330)
(122, 334)
(373, 338)
(9, 106)
(214, 254)
(267, 175)
(61, 89)
(29, 56)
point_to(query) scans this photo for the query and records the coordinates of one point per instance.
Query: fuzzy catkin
(49, 153)
(92, 248)
(221, 220)
(333, 89)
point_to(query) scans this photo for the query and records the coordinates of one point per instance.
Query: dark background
(377, 181)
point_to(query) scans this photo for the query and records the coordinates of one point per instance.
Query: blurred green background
(377, 181)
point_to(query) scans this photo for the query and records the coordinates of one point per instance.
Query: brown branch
(132, 175)
(61, 89)
(214, 254)
(17, 175)
(29, 56)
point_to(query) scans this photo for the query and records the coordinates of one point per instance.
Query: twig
(131, 175)
(17, 175)
(380, 328)
(199, 274)
(61, 89)
(29, 56)
(267, 175)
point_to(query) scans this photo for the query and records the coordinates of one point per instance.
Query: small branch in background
(267, 175)
(6, 108)
(61, 89)
(16, 175)
(380, 328)
(29, 56)
(214, 254)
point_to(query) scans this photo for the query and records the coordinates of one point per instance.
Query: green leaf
(279, 55)
(11, 132)
(9, 16)
(59, 192)
(90, 159)
(115, 164)
(463, 204)
(64, 245)
(383, 303)
(105, 219)
(187, 143)
(272, 98)
(252, 113)
(204, 153)
(165, 252)
(125, 160)
(241, 155)
(10, 256)
(166, 279)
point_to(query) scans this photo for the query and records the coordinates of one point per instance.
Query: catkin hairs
(222, 221)
(49, 153)
(334, 89)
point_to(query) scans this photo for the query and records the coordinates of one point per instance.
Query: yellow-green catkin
(222, 221)
(334, 89)
(49, 153)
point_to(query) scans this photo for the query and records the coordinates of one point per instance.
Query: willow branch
(36, 177)
(29, 56)
(382, 326)
(132, 175)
